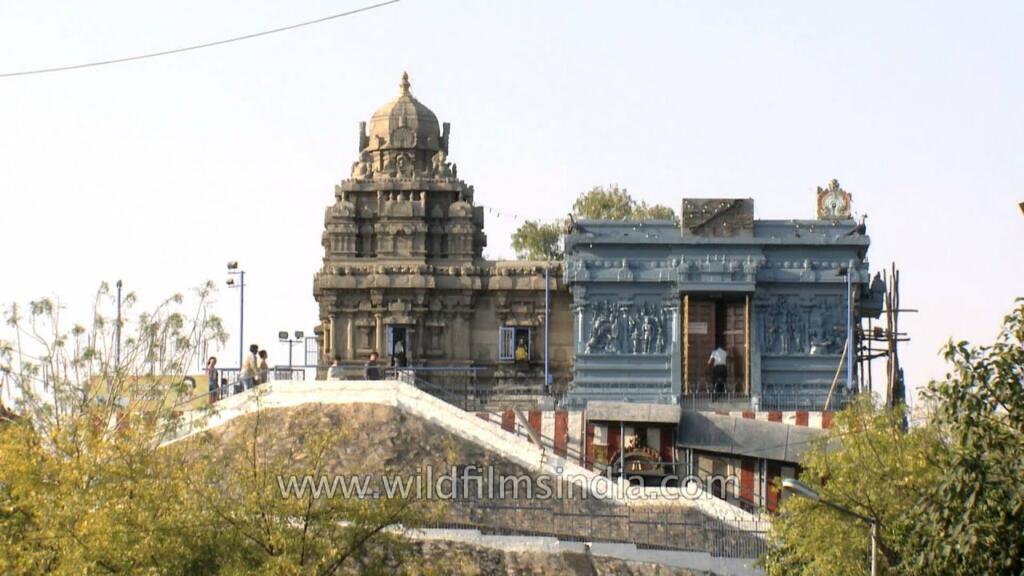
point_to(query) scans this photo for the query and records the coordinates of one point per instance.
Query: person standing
(262, 369)
(522, 353)
(212, 381)
(719, 363)
(335, 372)
(398, 359)
(371, 370)
(247, 374)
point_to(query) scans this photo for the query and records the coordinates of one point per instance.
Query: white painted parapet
(465, 425)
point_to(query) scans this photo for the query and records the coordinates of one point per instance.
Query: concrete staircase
(465, 425)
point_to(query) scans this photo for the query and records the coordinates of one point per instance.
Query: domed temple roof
(404, 123)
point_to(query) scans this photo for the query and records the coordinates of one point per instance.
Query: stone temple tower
(404, 201)
(403, 272)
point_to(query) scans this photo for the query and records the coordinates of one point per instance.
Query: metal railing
(784, 400)
(788, 400)
(705, 401)
(455, 385)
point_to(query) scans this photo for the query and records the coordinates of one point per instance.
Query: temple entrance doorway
(396, 345)
(710, 321)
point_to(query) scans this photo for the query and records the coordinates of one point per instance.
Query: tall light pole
(547, 316)
(802, 490)
(234, 269)
(117, 330)
(283, 337)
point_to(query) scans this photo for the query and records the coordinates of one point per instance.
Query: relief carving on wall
(626, 329)
(790, 325)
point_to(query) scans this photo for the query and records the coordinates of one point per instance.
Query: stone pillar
(677, 350)
(746, 343)
(462, 336)
(686, 343)
(379, 339)
(350, 341)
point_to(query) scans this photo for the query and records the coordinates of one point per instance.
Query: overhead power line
(199, 46)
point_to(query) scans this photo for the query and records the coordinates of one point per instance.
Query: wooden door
(734, 338)
(700, 341)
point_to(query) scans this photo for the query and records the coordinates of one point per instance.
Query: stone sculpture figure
(405, 165)
(441, 166)
(648, 333)
(622, 329)
(616, 334)
(599, 333)
(363, 168)
(637, 347)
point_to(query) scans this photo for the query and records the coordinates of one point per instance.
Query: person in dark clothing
(371, 370)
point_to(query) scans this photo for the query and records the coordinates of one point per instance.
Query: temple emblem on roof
(833, 202)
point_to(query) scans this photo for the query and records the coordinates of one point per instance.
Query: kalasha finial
(405, 83)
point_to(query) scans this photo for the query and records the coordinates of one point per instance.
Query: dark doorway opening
(397, 346)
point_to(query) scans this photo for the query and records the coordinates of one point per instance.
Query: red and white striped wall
(821, 420)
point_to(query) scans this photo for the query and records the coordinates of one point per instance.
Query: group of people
(255, 370)
(371, 369)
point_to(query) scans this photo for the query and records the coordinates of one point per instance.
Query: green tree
(92, 478)
(971, 520)
(535, 240)
(615, 203)
(868, 464)
(948, 494)
(538, 241)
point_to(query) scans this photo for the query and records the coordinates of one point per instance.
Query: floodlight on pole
(283, 337)
(798, 488)
(117, 328)
(233, 269)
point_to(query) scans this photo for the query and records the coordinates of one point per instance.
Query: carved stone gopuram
(403, 271)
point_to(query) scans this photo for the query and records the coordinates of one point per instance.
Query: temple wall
(650, 303)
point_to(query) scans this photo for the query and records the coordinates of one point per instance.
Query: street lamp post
(234, 269)
(117, 328)
(804, 491)
(283, 337)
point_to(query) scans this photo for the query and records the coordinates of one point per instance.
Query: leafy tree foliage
(948, 494)
(971, 520)
(877, 471)
(538, 241)
(541, 241)
(615, 203)
(93, 479)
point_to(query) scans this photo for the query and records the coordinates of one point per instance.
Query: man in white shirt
(719, 363)
(247, 375)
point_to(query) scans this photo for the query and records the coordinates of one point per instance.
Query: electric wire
(198, 46)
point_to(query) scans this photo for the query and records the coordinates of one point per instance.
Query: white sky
(160, 171)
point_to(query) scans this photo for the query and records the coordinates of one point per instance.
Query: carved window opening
(443, 252)
(514, 344)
